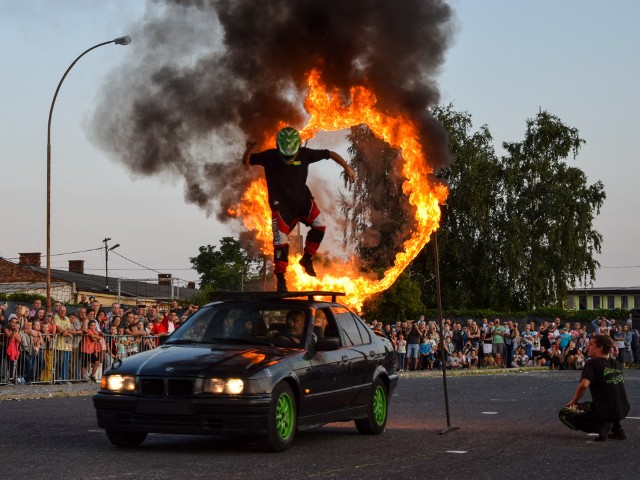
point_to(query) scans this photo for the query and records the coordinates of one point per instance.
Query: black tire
(283, 419)
(377, 410)
(126, 439)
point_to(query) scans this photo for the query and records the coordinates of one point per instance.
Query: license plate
(167, 407)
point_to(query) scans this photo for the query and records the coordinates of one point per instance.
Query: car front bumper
(192, 415)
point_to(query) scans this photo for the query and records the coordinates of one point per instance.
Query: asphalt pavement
(507, 427)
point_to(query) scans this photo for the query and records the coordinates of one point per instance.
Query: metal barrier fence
(61, 359)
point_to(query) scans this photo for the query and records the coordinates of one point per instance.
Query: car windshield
(238, 323)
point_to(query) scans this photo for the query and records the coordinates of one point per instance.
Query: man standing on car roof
(286, 168)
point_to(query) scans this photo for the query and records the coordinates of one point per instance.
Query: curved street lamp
(118, 41)
(107, 249)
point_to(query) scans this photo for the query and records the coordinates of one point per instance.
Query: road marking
(632, 418)
(489, 413)
(456, 451)
(592, 434)
(504, 400)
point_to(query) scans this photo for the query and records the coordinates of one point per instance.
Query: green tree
(400, 302)
(378, 215)
(468, 238)
(227, 268)
(375, 208)
(516, 231)
(547, 211)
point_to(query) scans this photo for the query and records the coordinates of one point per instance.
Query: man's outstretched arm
(246, 157)
(351, 175)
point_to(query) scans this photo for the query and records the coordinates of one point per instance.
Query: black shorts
(91, 358)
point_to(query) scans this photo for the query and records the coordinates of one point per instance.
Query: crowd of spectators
(509, 344)
(75, 343)
(63, 345)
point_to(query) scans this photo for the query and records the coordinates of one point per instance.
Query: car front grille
(180, 388)
(172, 387)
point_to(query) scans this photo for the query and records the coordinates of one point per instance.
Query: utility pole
(107, 249)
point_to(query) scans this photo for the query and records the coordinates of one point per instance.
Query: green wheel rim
(379, 405)
(284, 416)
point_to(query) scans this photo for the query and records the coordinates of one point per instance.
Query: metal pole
(436, 268)
(117, 41)
(106, 264)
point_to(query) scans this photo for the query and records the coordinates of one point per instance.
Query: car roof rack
(259, 295)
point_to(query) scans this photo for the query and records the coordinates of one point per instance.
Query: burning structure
(213, 73)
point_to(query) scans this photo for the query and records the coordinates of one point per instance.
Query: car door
(360, 353)
(327, 382)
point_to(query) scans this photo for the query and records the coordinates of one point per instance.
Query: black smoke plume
(206, 75)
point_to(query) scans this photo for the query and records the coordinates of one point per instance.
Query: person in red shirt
(158, 326)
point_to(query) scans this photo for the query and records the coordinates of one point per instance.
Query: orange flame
(329, 113)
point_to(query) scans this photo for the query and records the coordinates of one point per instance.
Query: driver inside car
(292, 337)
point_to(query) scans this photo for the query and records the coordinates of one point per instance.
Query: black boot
(307, 264)
(282, 282)
(617, 432)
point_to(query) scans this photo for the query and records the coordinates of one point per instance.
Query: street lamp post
(107, 249)
(118, 41)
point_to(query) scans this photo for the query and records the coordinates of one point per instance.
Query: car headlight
(119, 383)
(232, 386)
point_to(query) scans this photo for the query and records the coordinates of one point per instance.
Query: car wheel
(283, 419)
(376, 411)
(126, 439)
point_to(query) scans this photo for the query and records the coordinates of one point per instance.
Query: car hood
(195, 360)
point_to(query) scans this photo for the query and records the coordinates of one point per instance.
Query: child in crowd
(472, 358)
(47, 373)
(425, 350)
(520, 358)
(401, 352)
(38, 361)
(489, 361)
(122, 343)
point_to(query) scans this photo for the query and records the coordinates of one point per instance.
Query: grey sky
(574, 58)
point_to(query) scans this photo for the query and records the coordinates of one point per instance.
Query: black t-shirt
(606, 385)
(458, 339)
(287, 184)
(414, 336)
(545, 341)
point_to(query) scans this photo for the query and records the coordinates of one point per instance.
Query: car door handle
(372, 353)
(345, 358)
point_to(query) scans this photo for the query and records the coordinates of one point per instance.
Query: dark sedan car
(253, 363)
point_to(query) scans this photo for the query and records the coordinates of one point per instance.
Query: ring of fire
(329, 114)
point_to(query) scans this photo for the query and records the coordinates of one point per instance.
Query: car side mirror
(326, 344)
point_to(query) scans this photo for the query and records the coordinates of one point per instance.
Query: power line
(61, 254)
(139, 269)
(143, 267)
(136, 263)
